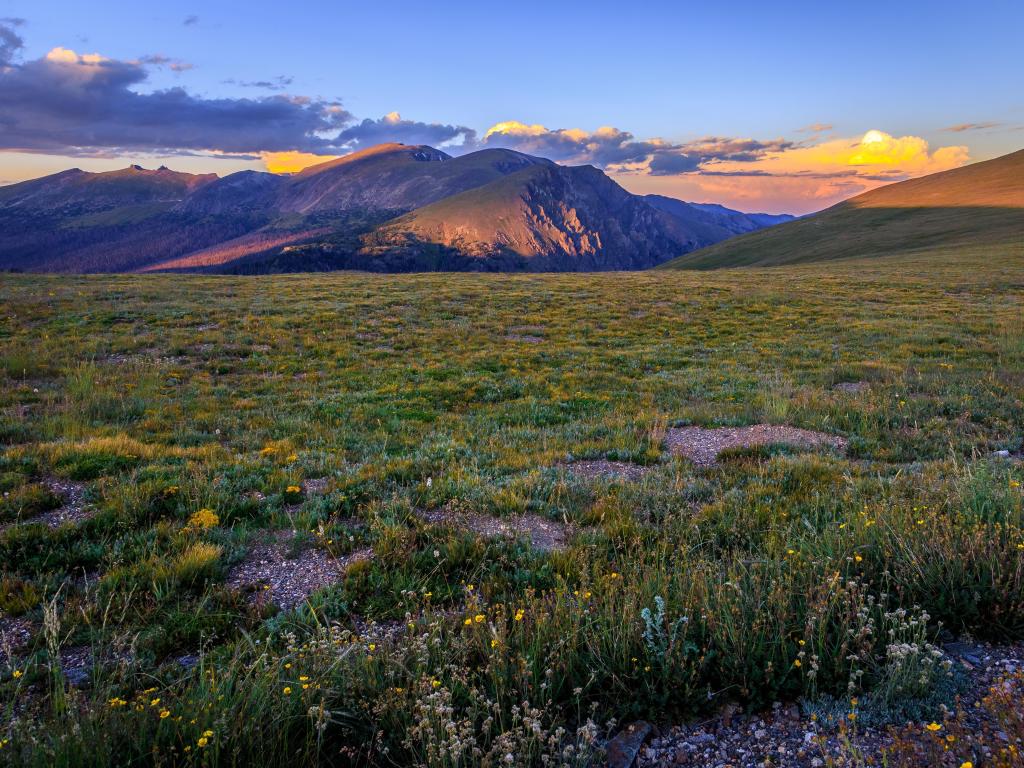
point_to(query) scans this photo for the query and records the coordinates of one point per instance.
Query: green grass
(169, 394)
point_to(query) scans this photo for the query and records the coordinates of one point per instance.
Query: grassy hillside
(163, 438)
(980, 204)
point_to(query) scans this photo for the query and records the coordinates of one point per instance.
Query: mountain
(387, 208)
(978, 204)
(543, 218)
(724, 222)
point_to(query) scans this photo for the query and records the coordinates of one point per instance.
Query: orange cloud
(292, 162)
(803, 178)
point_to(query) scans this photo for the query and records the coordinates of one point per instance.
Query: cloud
(72, 103)
(292, 162)
(961, 127)
(10, 41)
(190, 20)
(603, 147)
(815, 128)
(800, 178)
(394, 128)
(278, 83)
(159, 60)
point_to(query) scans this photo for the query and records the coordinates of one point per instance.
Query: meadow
(181, 423)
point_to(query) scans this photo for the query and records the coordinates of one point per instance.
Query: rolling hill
(390, 208)
(979, 204)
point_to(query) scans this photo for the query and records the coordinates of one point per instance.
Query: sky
(777, 107)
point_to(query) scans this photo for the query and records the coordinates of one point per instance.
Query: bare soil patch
(544, 535)
(603, 468)
(271, 576)
(702, 446)
(524, 338)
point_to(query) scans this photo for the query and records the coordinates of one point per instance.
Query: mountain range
(981, 204)
(390, 208)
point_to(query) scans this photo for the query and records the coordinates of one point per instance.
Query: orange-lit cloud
(800, 178)
(292, 162)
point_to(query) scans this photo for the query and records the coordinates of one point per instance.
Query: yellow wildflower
(165, 714)
(479, 618)
(933, 727)
(287, 690)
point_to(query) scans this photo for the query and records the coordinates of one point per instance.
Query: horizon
(828, 113)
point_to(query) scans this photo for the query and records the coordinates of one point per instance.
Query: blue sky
(674, 72)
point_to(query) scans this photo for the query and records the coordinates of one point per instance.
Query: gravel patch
(269, 575)
(784, 736)
(851, 387)
(73, 511)
(702, 446)
(524, 338)
(15, 633)
(544, 535)
(603, 468)
(316, 485)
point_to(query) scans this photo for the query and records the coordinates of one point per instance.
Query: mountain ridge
(391, 207)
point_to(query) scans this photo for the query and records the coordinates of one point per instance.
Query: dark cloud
(191, 20)
(74, 104)
(700, 156)
(393, 128)
(617, 150)
(10, 41)
(961, 127)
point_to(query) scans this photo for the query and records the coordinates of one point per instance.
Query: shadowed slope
(545, 217)
(975, 205)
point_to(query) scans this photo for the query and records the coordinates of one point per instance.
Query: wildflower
(17, 673)
(796, 663)
(435, 683)
(287, 690)
(293, 489)
(519, 614)
(203, 741)
(966, 764)
(208, 734)
(801, 642)
(164, 714)
(852, 716)
(494, 642)
(203, 519)
(933, 727)
(154, 702)
(1015, 484)
(292, 457)
(469, 587)
(614, 575)
(479, 618)
(468, 621)
(304, 678)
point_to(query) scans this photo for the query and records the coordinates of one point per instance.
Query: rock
(1001, 454)
(623, 749)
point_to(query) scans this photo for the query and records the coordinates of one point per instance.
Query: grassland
(192, 410)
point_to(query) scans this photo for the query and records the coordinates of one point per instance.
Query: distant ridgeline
(391, 208)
